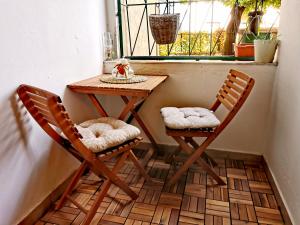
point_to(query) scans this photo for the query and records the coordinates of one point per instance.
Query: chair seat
(189, 118)
(106, 132)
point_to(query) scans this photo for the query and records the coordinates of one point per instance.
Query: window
(207, 28)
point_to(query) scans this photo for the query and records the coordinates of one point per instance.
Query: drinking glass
(107, 46)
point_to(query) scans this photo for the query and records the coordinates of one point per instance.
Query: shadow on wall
(15, 130)
(33, 163)
(15, 126)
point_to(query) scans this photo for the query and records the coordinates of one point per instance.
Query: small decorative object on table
(122, 70)
(122, 73)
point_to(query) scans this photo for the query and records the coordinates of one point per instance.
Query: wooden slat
(240, 75)
(34, 103)
(49, 119)
(233, 86)
(37, 98)
(224, 102)
(188, 133)
(235, 80)
(46, 113)
(227, 97)
(231, 92)
(106, 155)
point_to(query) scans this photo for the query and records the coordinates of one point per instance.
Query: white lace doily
(112, 80)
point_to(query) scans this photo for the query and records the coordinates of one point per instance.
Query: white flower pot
(265, 50)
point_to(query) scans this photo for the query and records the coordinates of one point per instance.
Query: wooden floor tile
(197, 190)
(236, 173)
(238, 184)
(242, 197)
(261, 187)
(268, 216)
(170, 200)
(243, 212)
(217, 208)
(246, 199)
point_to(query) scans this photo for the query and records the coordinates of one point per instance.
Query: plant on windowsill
(265, 49)
(265, 46)
(254, 9)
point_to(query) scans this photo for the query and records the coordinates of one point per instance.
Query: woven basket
(164, 28)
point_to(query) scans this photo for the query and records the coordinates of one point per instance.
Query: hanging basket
(164, 28)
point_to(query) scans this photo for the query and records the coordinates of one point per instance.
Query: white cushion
(189, 117)
(106, 132)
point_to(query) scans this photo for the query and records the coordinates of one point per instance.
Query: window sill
(202, 62)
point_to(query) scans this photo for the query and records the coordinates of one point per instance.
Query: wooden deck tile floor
(247, 199)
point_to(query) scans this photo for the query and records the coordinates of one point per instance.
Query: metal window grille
(195, 40)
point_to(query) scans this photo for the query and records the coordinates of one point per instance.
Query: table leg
(137, 109)
(129, 105)
(98, 105)
(140, 122)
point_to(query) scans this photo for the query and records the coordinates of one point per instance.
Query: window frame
(183, 57)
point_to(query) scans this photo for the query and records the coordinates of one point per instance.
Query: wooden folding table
(133, 95)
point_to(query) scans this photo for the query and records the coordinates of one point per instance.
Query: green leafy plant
(250, 5)
(197, 43)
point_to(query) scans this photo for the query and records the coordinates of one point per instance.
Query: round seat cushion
(106, 132)
(189, 117)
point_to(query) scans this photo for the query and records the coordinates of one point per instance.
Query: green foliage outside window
(184, 42)
(249, 4)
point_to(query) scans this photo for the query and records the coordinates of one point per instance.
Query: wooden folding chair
(47, 109)
(232, 95)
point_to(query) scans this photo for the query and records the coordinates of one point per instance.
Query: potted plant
(244, 50)
(265, 49)
(254, 9)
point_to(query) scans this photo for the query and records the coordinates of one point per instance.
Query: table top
(93, 85)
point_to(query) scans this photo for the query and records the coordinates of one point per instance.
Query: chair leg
(195, 157)
(196, 145)
(101, 169)
(104, 189)
(90, 215)
(170, 157)
(71, 185)
(139, 166)
(210, 171)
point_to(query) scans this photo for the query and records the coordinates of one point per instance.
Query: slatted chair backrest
(233, 94)
(47, 109)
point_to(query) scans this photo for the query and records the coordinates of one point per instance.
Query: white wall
(283, 153)
(196, 84)
(48, 44)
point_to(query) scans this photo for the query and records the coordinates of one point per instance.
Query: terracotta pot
(244, 50)
(164, 28)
